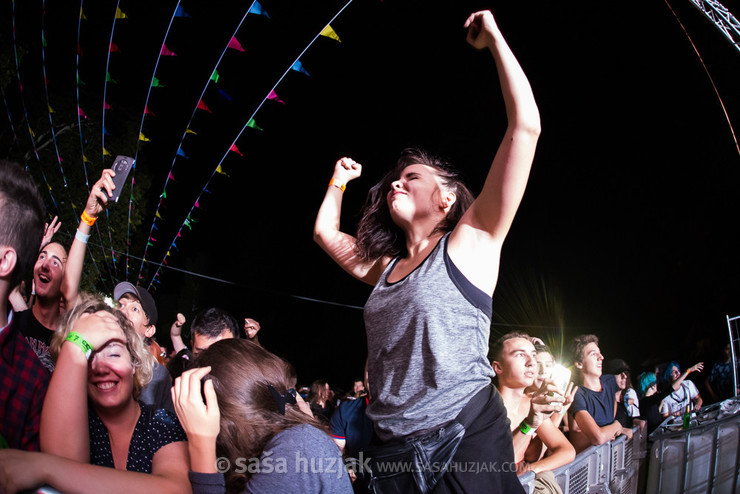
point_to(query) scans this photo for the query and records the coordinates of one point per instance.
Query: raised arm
(476, 242)
(96, 201)
(339, 245)
(176, 333)
(64, 422)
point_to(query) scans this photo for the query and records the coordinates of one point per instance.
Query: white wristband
(82, 237)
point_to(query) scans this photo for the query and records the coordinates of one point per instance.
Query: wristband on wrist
(688, 371)
(525, 428)
(82, 237)
(87, 218)
(78, 340)
(338, 184)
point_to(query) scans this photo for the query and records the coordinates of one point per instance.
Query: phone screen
(561, 376)
(121, 167)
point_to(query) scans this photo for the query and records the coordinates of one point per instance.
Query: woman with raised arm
(95, 435)
(432, 253)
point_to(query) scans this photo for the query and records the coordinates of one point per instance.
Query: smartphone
(121, 167)
(561, 376)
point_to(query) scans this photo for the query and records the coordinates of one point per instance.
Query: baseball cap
(143, 296)
(616, 366)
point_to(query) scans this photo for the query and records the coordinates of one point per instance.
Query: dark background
(628, 228)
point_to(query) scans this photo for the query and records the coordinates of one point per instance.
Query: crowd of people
(91, 402)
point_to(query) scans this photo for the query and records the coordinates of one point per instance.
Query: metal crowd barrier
(609, 468)
(701, 459)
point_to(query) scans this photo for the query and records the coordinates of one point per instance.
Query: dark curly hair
(377, 235)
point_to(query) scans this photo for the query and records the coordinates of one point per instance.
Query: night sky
(628, 228)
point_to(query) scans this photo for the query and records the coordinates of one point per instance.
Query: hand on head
(99, 328)
(198, 418)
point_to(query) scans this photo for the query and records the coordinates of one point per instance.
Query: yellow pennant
(329, 33)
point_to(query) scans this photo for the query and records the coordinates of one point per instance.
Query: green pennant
(215, 76)
(108, 78)
(155, 82)
(253, 124)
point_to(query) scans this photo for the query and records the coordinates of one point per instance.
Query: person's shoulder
(303, 436)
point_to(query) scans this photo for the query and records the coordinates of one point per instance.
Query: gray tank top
(427, 338)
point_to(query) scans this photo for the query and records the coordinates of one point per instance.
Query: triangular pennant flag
(234, 149)
(179, 12)
(84, 159)
(147, 111)
(197, 204)
(180, 152)
(170, 176)
(51, 110)
(108, 78)
(188, 131)
(224, 94)
(179, 235)
(187, 223)
(43, 40)
(142, 137)
(80, 81)
(235, 45)
(253, 124)
(163, 195)
(106, 106)
(156, 83)
(298, 67)
(221, 170)
(166, 52)
(214, 76)
(202, 106)
(79, 49)
(158, 216)
(113, 48)
(105, 152)
(82, 15)
(120, 14)
(329, 33)
(257, 9)
(81, 113)
(274, 97)
(105, 131)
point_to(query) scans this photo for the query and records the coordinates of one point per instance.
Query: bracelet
(338, 184)
(88, 219)
(82, 237)
(688, 371)
(78, 340)
(526, 429)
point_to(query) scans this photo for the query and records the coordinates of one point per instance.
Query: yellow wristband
(86, 218)
(338, 185)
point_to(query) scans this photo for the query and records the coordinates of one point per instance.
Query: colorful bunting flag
(156, 83)
(274, 97)
(215, 76)
(51, 110)
(179, 12)
(84, 159)
(106, 106)
(221, 170)
(108, 78)
(158, 216)
(105, 152)
(202, 106)
(142, 137)
(235, 45)
(120, 14)
(188, 131)
(113, 48)
(253, 124)
(166, 52)
(82, 15)
(224, 94)
(170, 176)
(81, 113)
(298, 67)
(147, 111)
(257, 9)
(329, 33)
(180, 152)
(234, 149)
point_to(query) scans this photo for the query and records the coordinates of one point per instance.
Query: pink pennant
(81, 113)
(147, 111)
(202, 106)
(235, 149)
(113, 47)
(274, 97)
(106, 106)
(171, 177)
(166, 52)
(197, 204)
(235, 45)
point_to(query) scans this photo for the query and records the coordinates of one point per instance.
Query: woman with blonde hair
(91, 417)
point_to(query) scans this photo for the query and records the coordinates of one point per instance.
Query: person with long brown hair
(432, 251)
(253, 432)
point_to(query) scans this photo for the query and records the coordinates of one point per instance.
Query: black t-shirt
(37, 335)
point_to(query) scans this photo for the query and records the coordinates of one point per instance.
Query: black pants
(484, 461)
